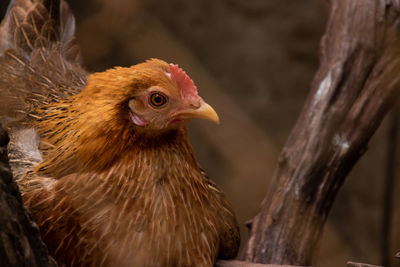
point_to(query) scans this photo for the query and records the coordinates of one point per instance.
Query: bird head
(118, 110)
(153, 96)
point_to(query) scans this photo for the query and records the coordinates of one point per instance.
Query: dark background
(253, 61)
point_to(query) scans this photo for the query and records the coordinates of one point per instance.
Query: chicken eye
(158, 100)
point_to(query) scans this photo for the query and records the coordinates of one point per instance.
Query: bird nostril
(195, 105)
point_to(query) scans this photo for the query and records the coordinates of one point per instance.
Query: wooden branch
(356, 85)
(389, 188)
(236, 263)
(20, 243)
(356, 264)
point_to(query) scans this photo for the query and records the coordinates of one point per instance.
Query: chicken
(103, 160)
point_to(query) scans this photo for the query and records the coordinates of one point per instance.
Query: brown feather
(39, 59)
(153, 207)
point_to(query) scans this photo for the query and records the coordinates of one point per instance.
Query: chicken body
(152, 207)
(103, 160)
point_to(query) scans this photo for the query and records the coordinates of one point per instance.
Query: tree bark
(236, 263)
(355, 86)
(20, 243)
(389, 185)
(357, 264)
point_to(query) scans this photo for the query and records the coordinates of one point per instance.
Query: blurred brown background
(253, 61)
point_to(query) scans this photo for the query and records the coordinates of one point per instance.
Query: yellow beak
(204, 111)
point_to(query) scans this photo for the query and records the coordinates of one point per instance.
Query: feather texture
(160, 216)
(39, 65)
(40, 62)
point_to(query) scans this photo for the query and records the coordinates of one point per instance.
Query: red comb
(186, 84)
